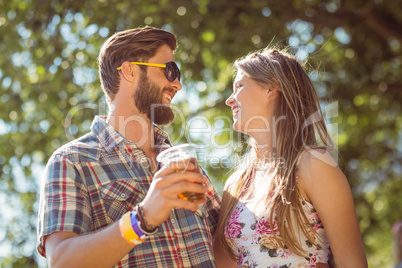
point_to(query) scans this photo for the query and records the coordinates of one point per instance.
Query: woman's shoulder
(314, 159)
(311, 156)
(316, 167)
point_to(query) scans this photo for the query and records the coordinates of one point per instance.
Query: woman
(288, 204)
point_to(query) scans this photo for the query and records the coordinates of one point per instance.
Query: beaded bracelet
(147, 228)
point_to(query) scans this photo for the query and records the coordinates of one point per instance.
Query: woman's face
(249, 103)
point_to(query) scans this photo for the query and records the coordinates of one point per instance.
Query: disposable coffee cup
(184, 153)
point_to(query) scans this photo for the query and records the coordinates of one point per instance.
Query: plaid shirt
(92, 181)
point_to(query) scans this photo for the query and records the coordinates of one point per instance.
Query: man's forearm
(104, 248)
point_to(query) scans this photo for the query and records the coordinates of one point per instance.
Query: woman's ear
(272, 85)
(272, 94)
(269, 91)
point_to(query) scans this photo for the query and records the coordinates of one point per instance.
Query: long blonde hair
(298, 103)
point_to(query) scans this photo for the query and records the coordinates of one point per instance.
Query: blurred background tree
(50, 91)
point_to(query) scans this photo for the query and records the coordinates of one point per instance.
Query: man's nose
(177, 85)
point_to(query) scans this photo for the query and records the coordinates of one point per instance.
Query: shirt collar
(161, 139)
(110, 138)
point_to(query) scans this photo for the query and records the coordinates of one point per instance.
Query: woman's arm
(324, 184)
(223, 260)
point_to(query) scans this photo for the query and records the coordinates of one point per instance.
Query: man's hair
(137, 44)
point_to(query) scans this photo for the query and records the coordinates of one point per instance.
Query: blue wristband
(135, 223)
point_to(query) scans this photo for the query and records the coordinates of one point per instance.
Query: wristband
(136, 224)
(127, 231)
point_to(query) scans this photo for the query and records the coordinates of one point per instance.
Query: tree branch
(386, 27)
(324, 18)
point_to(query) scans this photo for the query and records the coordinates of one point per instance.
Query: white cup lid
(182, 147)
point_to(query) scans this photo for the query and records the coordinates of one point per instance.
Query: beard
(148, 99)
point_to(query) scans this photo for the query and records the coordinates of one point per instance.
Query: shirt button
(183, 254)
(123, 195)
(144, 162)
(173, 221)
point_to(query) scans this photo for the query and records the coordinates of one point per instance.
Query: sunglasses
(171, 70)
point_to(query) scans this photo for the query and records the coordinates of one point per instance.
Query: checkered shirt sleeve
(64, 204)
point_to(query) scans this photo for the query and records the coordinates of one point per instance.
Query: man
(103, 200)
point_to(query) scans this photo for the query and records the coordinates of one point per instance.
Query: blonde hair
(298, 103)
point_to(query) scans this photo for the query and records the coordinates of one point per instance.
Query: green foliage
(48, 75)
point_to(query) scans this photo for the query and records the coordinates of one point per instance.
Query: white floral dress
(255, 244)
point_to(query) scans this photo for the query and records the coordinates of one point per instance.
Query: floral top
(255, 244)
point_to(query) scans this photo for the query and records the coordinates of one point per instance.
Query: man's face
(148, 99)
(155, 92)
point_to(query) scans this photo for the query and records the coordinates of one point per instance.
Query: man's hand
(162, 196)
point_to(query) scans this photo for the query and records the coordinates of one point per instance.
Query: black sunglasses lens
(172, 71)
